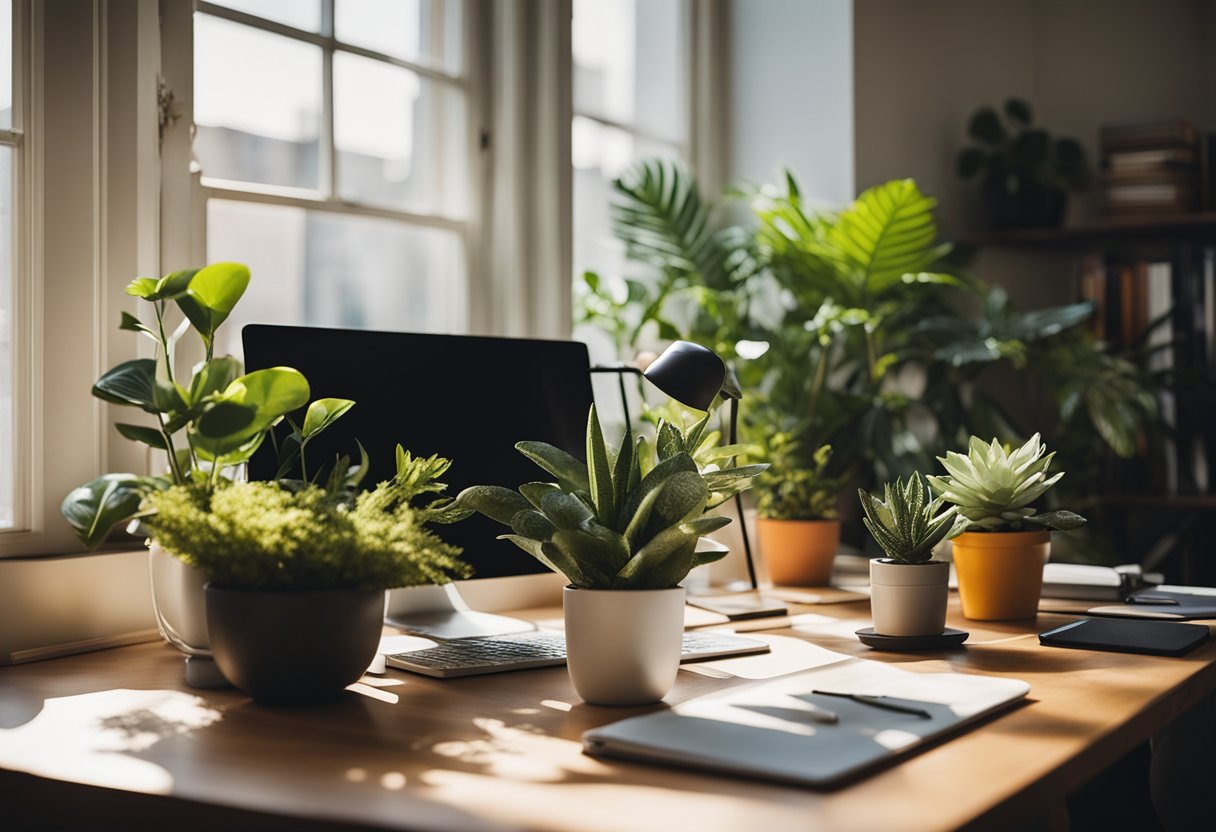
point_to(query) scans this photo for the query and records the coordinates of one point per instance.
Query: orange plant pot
(1000, 574)
(799, 552)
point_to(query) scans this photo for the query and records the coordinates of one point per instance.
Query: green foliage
(259, 535)
(994, 488)
(794, 488)
(605, 525)
(906, 522)
(1014, 156)
(223, 414)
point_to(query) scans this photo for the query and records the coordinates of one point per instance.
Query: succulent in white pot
(625, 538)
(908, 588)
(999, 558)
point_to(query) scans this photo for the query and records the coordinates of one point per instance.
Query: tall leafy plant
(207, 423)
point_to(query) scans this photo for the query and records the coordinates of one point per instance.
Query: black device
(1119, 635)
(467, 398)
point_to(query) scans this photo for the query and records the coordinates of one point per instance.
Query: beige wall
(922, 68)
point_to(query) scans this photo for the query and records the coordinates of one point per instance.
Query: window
(10, 141)
(335, 152)
(631, 101)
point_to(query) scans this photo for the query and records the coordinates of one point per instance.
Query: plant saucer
(943, 641)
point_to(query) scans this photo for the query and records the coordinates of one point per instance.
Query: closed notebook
(1156, 638)
(774, 730)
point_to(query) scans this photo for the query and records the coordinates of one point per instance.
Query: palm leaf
(663, 221)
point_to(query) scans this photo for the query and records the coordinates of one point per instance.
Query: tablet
(1157, 638)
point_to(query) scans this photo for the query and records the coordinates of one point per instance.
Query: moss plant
(259, 535)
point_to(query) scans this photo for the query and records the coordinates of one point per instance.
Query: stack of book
(1151, 167)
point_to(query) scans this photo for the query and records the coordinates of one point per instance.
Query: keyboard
(542, 648)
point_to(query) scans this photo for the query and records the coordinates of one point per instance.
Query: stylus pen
(877, 702)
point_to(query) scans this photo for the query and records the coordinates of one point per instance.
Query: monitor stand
(439, 612)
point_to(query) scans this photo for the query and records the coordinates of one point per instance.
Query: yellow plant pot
(799, 552)
(1000, 574)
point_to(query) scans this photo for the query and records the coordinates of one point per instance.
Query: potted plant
(1024, 174)
(796, 515)
(296, 571)
(999, 558)
(625, 538)
(908, 589)
(205, 425)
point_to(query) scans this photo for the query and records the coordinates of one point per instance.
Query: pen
(877, 702)
(821, 715)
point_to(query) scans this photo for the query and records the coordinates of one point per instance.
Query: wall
(922, 68)
(791, 96)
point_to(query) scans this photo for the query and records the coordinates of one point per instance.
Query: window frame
(193, 193)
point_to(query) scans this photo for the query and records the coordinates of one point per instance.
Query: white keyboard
(542, 648)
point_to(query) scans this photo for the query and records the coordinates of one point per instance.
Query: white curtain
(529, 253)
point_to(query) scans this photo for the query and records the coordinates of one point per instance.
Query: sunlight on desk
(87, 738)
(788, 654)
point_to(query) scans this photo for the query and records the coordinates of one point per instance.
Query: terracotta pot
(799, 552)
(909, 599)
(623, 645)
(1000, 574)
(294, 647)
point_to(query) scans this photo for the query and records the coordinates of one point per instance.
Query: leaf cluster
(603, 523)
(1011, 154)
(261, 535)
(906, 522)
(793, 488)
(993, 487)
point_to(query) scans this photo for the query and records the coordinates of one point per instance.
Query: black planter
(294, 648)
(1032, 207)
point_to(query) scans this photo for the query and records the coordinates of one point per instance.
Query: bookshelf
(1137, 270)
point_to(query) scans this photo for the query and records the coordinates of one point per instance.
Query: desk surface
(503, 752)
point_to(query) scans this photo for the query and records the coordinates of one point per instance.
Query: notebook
(773, 730)
(1170, 603)
(1157, 638)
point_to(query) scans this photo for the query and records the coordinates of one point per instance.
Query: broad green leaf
(663, 562)
(237, 457)
(141, 433)
(142, 287)
(271, 393)
(130, 383)
(599, 471)
(498, 503)
(565, 510)
(130, 323)
(211, 377)
(217, 288)
(569, 471)
(534, 491)
(322, 413)
(95, 508)
(224, 419)
(175, 284)
(170, 397)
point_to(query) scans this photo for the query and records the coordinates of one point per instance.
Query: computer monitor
(467, 398)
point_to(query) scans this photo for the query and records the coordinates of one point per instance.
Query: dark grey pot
(294, 648)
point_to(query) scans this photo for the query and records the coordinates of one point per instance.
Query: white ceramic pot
(623, 646)
(179, 602)
(909, 599)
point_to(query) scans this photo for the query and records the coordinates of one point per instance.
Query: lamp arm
(621, 370)
(747, 546)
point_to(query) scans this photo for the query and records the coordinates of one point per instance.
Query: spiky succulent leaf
(1059, 520)
(599, 471)
(535, 490)
(498, 503)
(663, 562)
(623, 475)
(904, 524)
(670, 442)
(571, 473)
(993, 488)
(566, 511)
(682, 496)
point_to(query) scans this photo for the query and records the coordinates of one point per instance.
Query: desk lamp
(695, 376)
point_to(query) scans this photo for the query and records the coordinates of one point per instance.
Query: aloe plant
(993, 487)
(606, 524)
(213, 421)
(906, 522)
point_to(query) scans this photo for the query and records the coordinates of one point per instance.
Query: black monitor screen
(466, 398)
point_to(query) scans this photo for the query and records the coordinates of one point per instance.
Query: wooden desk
(503, 752)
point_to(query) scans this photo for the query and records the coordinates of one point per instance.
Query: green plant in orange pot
(999, 558)
(796, 517)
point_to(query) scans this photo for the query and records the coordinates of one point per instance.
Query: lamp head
(691, 374)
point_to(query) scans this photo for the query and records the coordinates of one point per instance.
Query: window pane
(601, 154)
(302, 14)
(629, 64)
(257, 103)
(317, 268)
(400, 138)
(8, 448)
(6, 64)
(425, 32)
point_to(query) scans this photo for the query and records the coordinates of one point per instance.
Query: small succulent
(906, 522)
(605, 525)
(994, 488)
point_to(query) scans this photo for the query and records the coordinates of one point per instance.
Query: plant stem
(174, 468)
(159, 306)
